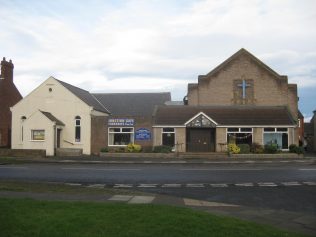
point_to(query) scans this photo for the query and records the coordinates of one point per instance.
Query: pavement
(286, 220)
(308, 158)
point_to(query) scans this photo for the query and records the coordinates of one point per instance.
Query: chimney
(6, 70)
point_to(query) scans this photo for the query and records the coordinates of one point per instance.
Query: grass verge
(25, 217)
(44, 187)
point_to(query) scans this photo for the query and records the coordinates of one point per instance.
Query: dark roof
(300, 115)
(85, 96)
(225, 115)
(134, 104)
(53, 118)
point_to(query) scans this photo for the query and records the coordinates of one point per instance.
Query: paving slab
(121, 198)
(193, 202)
(141, 199)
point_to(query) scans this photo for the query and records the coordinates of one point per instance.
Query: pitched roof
(134, 104)
(52, 118)
(225, 115)
(240, 52)
(85, 96)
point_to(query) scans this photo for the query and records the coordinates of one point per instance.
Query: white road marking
(123, 186)
(96, 186)
(147, 185)
(220, 169)
(267, 184)
(171, 185)
(219, 185)
(195, 186)
(13, 167)
(291, 183)
(245, 184)
(310, 183)
(98, 169)
(73, 184)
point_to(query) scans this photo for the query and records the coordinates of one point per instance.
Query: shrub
(271, 148)
(233, 148)
(244, 148)
(296, 149)
(256, 148)
(162, 149)
(134, 148)
(104, 149)
(292, 148)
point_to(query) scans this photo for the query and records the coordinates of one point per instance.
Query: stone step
(68, 152)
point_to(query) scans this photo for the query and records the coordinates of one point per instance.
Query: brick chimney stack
(7, 70)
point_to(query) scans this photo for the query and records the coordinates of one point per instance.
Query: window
(277, 136)
(168, 137)
(38, 135)
(239, 135)
(121, 136)
(77, 129)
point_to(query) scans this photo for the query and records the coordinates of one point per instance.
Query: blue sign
(142, 134)
(121, 122)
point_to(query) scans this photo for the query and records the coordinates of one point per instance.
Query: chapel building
(241, 101)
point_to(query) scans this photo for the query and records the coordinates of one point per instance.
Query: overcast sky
(153, 46)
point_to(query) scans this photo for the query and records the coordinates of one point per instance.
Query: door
(201, 139)
(58, 137)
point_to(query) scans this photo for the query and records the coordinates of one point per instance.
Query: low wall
(22, 153)
(267, 156)
(137, 155)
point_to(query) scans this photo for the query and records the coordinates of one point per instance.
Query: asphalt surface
(287, 186)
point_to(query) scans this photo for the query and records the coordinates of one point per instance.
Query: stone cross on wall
(244, 85)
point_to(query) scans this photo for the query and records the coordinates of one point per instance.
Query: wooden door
(200, 140)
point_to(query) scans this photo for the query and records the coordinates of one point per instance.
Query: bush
(256, 148)
(296, 149)
(233, 148)
(104, 149)
(244, 148)
(162, 149)
(134, 148)
(292, 148)
(271, 148)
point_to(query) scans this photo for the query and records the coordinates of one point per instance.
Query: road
(289, 186)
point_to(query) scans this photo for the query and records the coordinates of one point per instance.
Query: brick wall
(98, 133)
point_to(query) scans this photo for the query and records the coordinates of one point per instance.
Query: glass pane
(168, 130)
(127, 129)
(269, 129)
(282, 129)
(114, 130)
(122, 138)
(77, 122)
(232, 129)
(239, 138)
(246, 129)
(285, 142)
(38, 135)
(78, 134)
(168, 139)
(273, 138)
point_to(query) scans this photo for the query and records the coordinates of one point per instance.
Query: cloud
(153, 45)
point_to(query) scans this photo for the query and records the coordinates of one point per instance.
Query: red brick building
(9, 96)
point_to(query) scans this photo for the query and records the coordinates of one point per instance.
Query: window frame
(37, 130)
(77, 119)
(172, 131)
(120, 132)
(277, 130)
(239, 131)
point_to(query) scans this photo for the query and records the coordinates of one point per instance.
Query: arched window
(23, 118)
(77, 129)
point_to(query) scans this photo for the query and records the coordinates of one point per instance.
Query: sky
(155, 45)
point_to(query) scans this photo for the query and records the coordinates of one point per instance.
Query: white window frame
(121, 131)
(174, 132)
(32, 135)
(78, 118)
(239, 131)
(276, 131)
